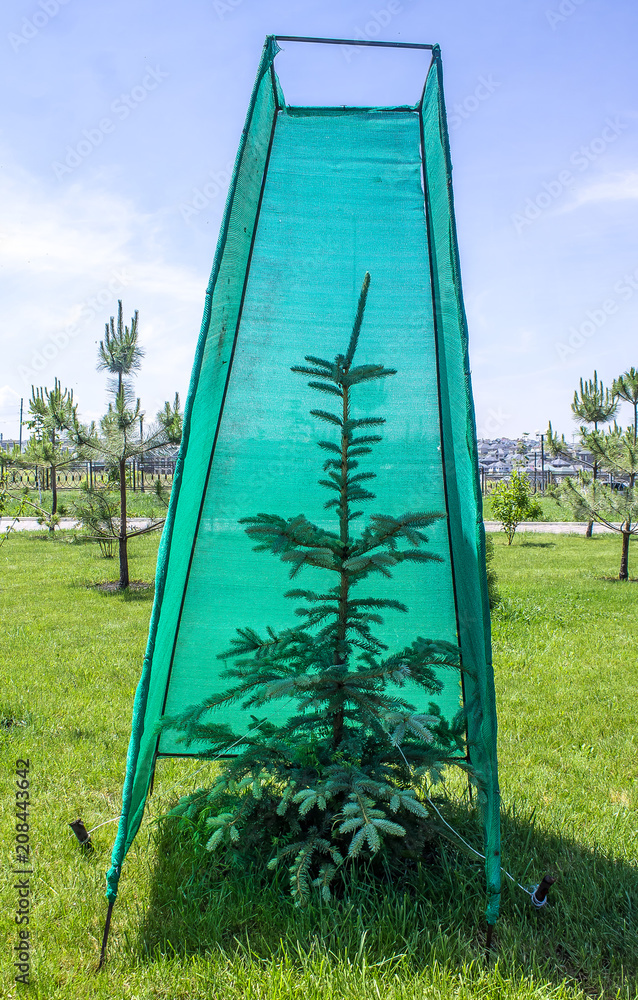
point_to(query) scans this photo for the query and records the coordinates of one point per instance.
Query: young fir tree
(341, 777)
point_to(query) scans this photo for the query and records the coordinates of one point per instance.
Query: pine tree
(341, 777)
(595, 405)
(616, 451)
(626, 387)
(119, 438)
(49, 447)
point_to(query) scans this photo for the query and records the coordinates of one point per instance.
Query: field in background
(567, 687)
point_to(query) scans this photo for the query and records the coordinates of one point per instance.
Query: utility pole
(21, 405)
(140, 461)
(542, 464)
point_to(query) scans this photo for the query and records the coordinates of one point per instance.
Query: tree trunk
(624, 558)
(123, 540)
(54, 495)
(590, 524)
(340, 649)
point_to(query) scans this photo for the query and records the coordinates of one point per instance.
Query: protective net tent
(320, 196)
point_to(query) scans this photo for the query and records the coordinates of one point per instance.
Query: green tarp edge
(135, 790)
(460, 451)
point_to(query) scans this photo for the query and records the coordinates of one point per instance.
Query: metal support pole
(105, 936)
(140, 461)
(354, 41)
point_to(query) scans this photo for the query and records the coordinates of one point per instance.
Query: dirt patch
(113, 586)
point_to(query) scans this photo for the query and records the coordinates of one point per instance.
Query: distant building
(499, 457)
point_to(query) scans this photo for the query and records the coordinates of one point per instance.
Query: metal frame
(434, 49)
(347, 41)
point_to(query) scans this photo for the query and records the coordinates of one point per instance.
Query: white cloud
(66, 256)
(612, 187)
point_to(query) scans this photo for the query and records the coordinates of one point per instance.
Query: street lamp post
(140, 464)
(542, 437)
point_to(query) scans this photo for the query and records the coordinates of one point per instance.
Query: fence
(139, 475)
(540, 481)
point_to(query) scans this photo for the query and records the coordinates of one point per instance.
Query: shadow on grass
(433, 913)
(138, 590)
(64, 536)
(537, 545)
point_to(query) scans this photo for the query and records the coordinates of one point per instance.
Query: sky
(120, 124)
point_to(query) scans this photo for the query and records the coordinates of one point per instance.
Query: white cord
(114, 820)
(478, 853)
(469, 846)
(212, 760)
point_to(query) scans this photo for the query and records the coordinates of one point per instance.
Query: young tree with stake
(49, 446)
(616, 451)
(119, 438)
(594, 406)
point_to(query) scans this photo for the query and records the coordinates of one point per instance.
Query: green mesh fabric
(319, 196)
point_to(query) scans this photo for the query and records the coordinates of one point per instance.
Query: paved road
(31, 523)
(543, 527)
(552, 527)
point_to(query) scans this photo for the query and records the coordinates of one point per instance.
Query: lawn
(567, 686)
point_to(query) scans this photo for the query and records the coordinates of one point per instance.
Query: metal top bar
(347, 41)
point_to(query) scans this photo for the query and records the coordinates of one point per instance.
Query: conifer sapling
(341, 778)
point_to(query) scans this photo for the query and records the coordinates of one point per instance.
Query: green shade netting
(319, 196)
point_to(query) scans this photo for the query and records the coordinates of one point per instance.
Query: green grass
(565, 660)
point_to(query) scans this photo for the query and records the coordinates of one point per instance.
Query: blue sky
(120, 123)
